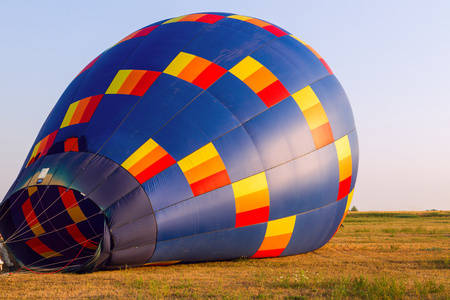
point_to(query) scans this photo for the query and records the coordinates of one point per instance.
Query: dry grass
(393, 255)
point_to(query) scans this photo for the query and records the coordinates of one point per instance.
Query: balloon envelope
(208, 136)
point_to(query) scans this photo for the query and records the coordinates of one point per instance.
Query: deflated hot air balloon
(208, 136)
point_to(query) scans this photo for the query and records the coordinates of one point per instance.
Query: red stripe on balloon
(144, 83)
(29, 214)
(145, 31)
(76, 234)
(326, 65)
(273, 93)
(38, 246)
(251, 217)
(210, 18)
(344, 187)
(268, 253)
(210, 183)
(67, 197)
(275, 30)
(210, 75)
(71, 144)
(90, 109)
(49, 143)
(159, 166)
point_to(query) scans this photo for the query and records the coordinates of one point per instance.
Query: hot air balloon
(209, 136)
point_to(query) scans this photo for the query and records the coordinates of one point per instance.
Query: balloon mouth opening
(52, 228)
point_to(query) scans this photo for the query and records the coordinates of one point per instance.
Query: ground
(389, 255)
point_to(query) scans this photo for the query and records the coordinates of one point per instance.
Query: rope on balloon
(56, 271)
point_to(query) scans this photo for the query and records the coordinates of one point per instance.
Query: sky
(391, 57)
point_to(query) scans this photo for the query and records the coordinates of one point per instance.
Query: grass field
(389, 255)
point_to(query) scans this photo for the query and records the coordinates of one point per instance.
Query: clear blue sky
(392, 58)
